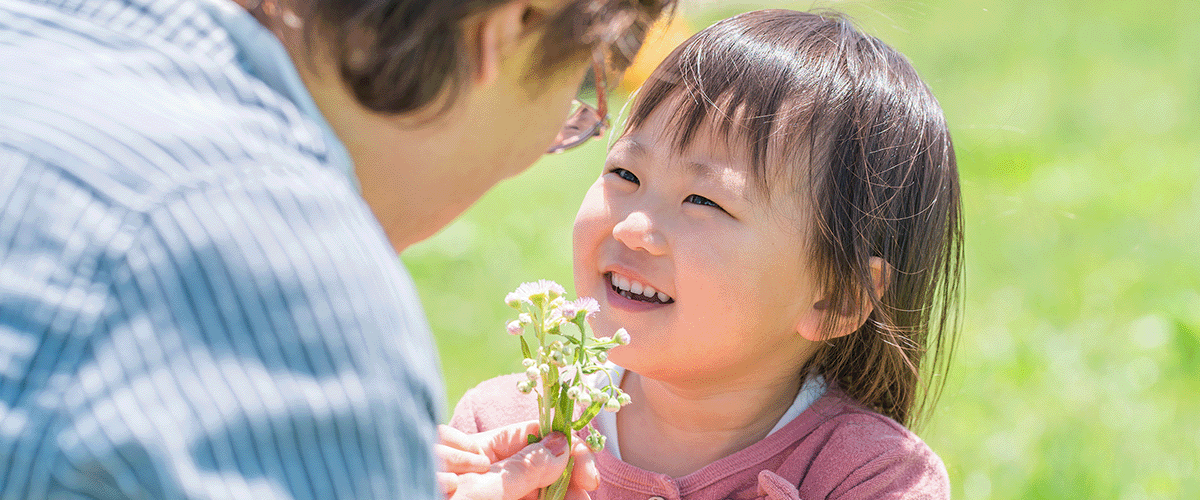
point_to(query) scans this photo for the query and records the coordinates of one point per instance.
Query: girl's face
(708, 275)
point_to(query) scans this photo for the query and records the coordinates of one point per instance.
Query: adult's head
(438, 100)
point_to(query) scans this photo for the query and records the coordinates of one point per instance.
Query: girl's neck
(677, 429)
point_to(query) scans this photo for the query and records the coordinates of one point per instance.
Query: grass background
(1076, 126)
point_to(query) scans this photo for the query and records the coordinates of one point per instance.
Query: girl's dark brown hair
(416, 46)
(841, 119)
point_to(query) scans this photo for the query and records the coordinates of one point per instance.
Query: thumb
(536, 466)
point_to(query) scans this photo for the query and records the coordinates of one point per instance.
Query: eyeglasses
(585, 122)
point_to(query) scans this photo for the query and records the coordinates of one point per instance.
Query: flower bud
(525, 318)
(602, 356)
(612, 405)
(595, 441)
(624, 399)
(525, 387)
(557, 358)
(515, 327)
(528, 362)
(622, 337)
(574, 392)
(584, 398)
(532, 373)
(600, 396)
(545, 368)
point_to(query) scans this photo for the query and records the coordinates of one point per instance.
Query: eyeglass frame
(596, 129)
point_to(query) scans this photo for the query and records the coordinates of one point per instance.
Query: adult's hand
(501, 465)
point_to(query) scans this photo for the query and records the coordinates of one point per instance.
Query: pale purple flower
(585, 305)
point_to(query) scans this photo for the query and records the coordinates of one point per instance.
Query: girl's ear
(849, 317)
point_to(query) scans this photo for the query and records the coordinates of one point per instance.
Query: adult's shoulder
(494, 403)
(851, 452)
(137, 115)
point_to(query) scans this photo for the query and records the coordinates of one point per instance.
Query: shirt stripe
(195, 301)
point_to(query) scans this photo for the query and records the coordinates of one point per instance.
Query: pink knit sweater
(834, 449)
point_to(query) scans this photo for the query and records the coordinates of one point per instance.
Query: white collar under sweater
(606, 422)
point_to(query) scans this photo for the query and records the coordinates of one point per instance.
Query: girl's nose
(637, 231)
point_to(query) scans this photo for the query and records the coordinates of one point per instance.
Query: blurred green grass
(1077, 132)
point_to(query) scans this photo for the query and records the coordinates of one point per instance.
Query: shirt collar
(262, 55)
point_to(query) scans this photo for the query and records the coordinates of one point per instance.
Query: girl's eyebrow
(631, 146)
(710, 173)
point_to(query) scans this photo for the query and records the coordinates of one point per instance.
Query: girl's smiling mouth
(635, 290)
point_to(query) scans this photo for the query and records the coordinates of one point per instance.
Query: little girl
(778, 229)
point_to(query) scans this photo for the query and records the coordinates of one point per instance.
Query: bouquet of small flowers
(556, 366)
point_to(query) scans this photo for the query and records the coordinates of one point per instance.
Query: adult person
(199, 290)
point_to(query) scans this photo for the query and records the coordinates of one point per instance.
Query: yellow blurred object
(663, 37)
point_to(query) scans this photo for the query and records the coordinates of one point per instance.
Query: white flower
(612, 405)
(532, 373)
(525, 387)
(534, 292)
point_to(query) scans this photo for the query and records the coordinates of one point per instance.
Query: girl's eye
(627, 175)
(700, 200)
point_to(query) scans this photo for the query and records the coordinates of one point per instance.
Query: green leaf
(532, 438)
(587, 416)
(525, 348)
(563, 413)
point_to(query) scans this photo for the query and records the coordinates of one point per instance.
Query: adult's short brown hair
(417, 52)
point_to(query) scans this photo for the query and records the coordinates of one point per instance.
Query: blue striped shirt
(195, 301)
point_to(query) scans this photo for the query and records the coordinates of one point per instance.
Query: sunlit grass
(1078, 139)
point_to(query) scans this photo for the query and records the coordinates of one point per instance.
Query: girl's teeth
(632, 288)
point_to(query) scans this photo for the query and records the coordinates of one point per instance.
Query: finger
(536, 466)
(506, 441)
(457, 439)
(459, 461)
(448, 482)
(584, 475)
